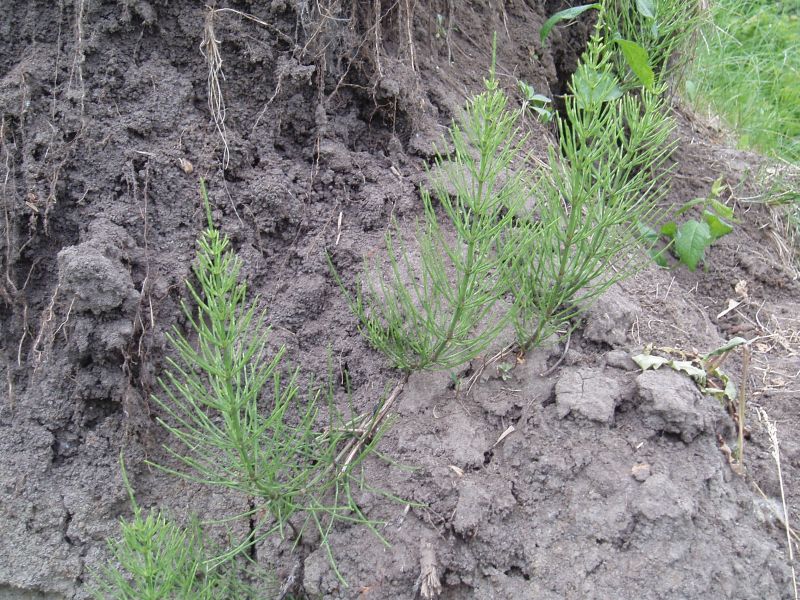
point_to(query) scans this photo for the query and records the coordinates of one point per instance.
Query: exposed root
(409, 32)
(76, 70)
(210, 49)
(46, 336)
(9, 288)
(216, 102)
(76, 80)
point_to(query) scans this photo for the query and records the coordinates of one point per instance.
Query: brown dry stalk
(370, 424)
(428, 584)
(772, 433)
(743, 400)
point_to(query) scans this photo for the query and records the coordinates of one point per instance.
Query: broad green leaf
(526, 89)
(691, 241)
(721, 209)
(716, 226)
(728, 392)
(730, 388)
(592, 87)
(729, 345)
(648, 361)
(645, 8)
(688, 367)
(638, 61)
(669, 229)
(657, 254)
(564, 15)
(545, 115)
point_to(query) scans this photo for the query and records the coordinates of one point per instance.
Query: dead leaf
(731, 305)
(428, 584)
(509, 430)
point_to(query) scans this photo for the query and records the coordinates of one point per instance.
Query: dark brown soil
(618, 489)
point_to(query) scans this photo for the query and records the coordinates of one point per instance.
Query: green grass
(747, 70)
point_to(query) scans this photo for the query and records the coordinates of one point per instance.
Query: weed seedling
(689, 240)
(156, 558)
(537, 103)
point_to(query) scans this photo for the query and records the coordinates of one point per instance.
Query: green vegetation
(689, 240)
(156, 559)
(502, 244)
(664, 28)
(439, 313)
(651, 36)
(536, 103)
(228, 433)
(604, 177)
(511, 244)
(238, 422)
(747, 70)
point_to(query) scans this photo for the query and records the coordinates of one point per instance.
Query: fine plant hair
(439, 313)
(155, 558)
(604, 179)
(664, 28)
(239, 422)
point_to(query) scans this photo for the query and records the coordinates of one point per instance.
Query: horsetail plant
(439, 313)
(583, 235)
(230, 432)
(155, 558)
(663, 28)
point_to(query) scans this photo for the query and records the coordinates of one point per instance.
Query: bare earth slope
(613, 483)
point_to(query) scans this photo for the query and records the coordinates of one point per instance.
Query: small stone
(641, 471)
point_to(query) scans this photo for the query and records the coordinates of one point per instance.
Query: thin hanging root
(210, 49)
(410, 6)
(216, 103)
